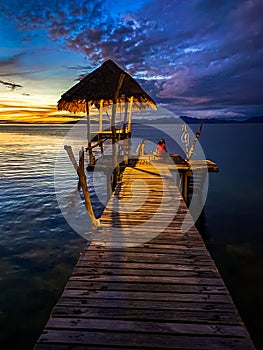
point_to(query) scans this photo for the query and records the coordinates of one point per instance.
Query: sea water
(38, 248)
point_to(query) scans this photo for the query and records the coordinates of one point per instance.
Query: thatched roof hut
(99, 88)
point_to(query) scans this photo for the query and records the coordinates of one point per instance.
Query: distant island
(189, 120)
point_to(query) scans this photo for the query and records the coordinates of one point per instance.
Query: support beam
(130, 114)
(101, 114)
(91, 156)
(185, 186)
(125, 115)
(113, 129)
(88, 121)
(83, 183)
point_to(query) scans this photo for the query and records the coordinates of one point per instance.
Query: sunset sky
(201, 58)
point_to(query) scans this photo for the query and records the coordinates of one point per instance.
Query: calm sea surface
(38, 249)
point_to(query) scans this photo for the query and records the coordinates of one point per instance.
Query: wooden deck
(127, 292)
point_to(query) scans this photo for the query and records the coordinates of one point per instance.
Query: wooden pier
(129, 293)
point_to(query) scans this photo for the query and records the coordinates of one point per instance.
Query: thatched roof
(100, 84)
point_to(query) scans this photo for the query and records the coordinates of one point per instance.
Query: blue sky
(200, 58)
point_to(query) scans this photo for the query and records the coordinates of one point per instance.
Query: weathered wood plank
(157, 258)
(170, 233)
(179, 244)
(150, 279)
(146, 327)
(144, 266)
(131, 295)
(185, 251)
(57, 346)
(169, 255)
(82, 271)
(146, 304)
(150, 287)
(182, 245)
(194, 316)
(143, 341)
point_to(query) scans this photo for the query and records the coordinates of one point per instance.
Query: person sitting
(161, 148)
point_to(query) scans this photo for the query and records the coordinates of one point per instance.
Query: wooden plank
(185, 251)
(151, 279)
(193, 316)
(146, 327)
(158, 239)
(82, 271)
(143, 341)
(57, 346)
(131, 295)
(154, 258)
(179, 245)
(145, 266)
(150, 287)
(146, 304)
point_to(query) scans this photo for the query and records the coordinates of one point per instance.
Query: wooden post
(197, 135)
(124, 131)
(203, 175)
(125, 112)
(101, 110)
(125, 119)
(88, 121)
(83, 183)
(185, 186)
(100, 127)
(130, 114)
(71, 156)
(91, 156)
(113, 129)
(109, 184)
(113, 132)
(100, 143)
(140, 148)
(115, 100)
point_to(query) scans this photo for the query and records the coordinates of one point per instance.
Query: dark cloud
(10, 85)
(197, 53)
(10, 61)
(12, 66)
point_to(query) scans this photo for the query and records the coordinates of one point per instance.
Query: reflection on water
(233, 214)
(38, 249)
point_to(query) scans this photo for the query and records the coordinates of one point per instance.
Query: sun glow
(18, 108)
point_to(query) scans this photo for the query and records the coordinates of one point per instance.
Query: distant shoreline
(164, 120)
(36, 123)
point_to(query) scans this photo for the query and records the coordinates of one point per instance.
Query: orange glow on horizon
(40, 107)
(25, 109)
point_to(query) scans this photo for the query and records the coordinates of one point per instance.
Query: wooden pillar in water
(109, 184)
(185, 185)
(83, 183)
